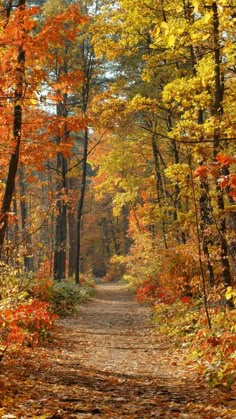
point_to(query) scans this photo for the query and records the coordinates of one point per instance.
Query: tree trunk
(80, 208)
(72, 243)
(28, 260)
(17, 124)
(217, 112)
(61, 221)
(206, 220)
(88, 67)
(159, 186)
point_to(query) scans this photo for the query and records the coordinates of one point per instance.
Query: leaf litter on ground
(108, 362)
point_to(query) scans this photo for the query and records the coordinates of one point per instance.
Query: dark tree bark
(17, 125)
(28, 260)
(206, 220)
(80, 207)
(204, 200)
(87, 55)
(217, 111)
(61, 221)
(159, 184)
(72, 244)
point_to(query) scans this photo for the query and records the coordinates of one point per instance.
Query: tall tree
(167, 58)
(90, 87)
(18, 85)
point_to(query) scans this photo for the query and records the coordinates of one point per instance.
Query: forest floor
(109, 362)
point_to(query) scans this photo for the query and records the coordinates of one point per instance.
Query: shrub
(27, 323)
(214, 350)
(67, 296)
(34, 316)
(147, 292)
(42, 289)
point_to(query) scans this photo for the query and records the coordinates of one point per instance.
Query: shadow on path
(108, 362)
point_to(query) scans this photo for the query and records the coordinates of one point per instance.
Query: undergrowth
(184, 318)
(29, 306)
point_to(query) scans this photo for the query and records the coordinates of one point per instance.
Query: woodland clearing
(109, 362)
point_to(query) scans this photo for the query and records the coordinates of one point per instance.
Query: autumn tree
(65, 81)
(40, 94)
(74, 81)
(17, 69)
(172, 69)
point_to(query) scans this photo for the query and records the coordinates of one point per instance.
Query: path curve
(108, 362)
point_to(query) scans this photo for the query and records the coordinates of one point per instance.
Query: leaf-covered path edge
(109, 362)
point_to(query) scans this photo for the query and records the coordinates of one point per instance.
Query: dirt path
(109, 363)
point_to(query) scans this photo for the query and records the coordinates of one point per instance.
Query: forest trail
(108, 362)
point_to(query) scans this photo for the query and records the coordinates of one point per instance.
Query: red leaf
(233, 194)
(232, 181)
(202, 172)
(225, 160)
